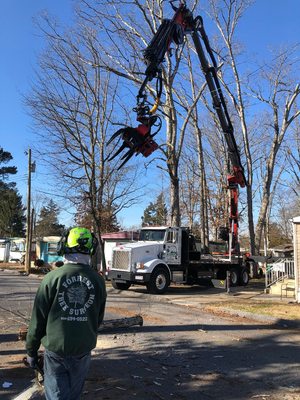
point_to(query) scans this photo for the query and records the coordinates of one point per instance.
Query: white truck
(171, 254)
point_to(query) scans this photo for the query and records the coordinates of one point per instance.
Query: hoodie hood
(77, 258)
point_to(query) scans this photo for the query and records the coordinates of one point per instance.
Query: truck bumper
(127, 276)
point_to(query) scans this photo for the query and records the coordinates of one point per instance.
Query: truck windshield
(152, 235)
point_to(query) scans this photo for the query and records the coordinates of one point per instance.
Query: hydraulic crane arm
(219, 104)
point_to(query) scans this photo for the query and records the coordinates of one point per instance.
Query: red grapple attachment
(148, 146)
(137, 140)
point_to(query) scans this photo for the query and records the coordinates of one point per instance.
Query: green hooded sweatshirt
(68, 309)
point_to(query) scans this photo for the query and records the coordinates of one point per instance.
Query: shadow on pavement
(193, 367)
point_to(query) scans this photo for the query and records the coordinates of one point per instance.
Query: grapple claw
(123, 146)
(115, 135)
(126, 157)
(137, 140)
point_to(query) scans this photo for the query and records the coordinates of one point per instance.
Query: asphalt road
(181, 352)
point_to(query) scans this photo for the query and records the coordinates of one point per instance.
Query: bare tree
(198, 169)
(281, 98)
(292, 150)
(73, 103)
(131, 26)
(189, 187)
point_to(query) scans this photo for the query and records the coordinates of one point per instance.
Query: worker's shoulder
(50, 277)
(52, 273)
(67, 270)
(97, 276)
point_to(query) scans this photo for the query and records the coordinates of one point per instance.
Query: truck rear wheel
(159, 281)
(244, 277)
(120, 285)
(234, 277)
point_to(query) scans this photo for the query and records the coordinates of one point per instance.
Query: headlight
(140, 265)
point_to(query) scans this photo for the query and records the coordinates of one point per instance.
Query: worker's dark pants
(64, 376)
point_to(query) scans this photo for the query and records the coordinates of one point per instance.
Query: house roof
(284, 247)
(50, 239)
(129, 235)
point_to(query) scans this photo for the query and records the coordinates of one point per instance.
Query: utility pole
(28, 217)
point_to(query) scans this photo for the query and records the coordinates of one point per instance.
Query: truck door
(173, 246)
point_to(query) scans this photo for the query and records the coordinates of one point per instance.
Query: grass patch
(284, 311)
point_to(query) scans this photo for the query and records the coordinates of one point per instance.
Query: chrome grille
(121, 259)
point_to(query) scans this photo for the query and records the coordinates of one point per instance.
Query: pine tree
(48, 224)
(156, 214)
(12, 217)
(108, 219)
(5, 171)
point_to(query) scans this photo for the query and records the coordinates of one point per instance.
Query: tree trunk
(172, 158)
(203, 192)
(175, 218)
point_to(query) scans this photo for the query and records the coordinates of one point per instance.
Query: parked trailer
(17, 250)
(4, 250)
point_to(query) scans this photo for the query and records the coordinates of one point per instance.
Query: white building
(296, 237)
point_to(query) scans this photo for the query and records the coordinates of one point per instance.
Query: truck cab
(147, 261)
(154, 260)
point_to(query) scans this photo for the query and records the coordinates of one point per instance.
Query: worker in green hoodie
(68, 309)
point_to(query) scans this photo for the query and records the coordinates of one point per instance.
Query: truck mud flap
(219, 283)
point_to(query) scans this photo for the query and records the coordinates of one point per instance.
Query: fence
(280, 270)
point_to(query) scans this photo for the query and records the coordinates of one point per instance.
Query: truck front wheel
(120, 285)
(159, 281)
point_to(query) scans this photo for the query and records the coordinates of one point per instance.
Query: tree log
(121, 323)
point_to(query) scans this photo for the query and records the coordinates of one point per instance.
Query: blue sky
(20, 45)
(268, 23)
